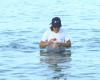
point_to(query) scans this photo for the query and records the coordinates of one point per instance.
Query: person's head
(55, 24)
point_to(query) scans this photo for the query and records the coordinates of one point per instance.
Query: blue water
(22, 23)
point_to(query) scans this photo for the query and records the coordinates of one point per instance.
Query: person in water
(56, 37)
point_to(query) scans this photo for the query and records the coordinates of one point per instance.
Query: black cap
(56, 22)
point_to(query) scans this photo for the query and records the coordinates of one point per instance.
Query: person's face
(56, 29)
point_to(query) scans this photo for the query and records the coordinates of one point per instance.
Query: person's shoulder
(63, 30)
(47, 31)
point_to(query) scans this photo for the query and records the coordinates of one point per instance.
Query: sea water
(22, 24)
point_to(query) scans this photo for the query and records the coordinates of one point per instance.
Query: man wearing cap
(56, 37)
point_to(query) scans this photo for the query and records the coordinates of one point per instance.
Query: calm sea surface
(22, 23)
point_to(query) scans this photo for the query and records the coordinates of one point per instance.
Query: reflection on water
(57, 62)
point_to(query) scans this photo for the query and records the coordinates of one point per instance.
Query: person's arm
(43, 44)
(67, 44)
